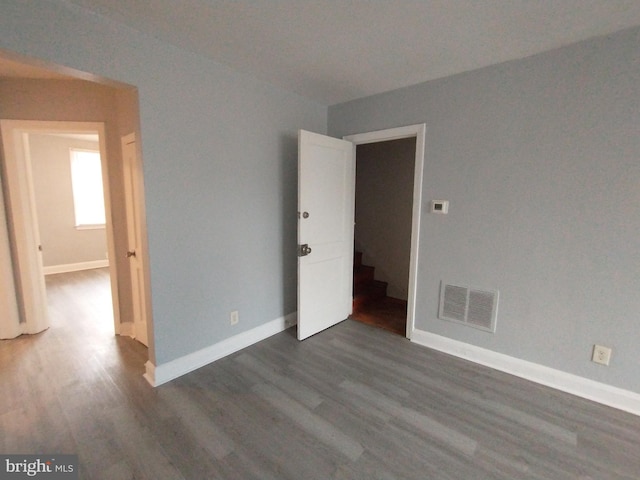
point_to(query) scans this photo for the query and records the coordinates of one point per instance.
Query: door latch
(304, 250)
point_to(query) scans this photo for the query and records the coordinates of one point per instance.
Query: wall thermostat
(439, 206)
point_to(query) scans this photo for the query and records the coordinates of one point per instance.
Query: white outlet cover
(601, 355)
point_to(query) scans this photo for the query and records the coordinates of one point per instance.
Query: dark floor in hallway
(387, 313)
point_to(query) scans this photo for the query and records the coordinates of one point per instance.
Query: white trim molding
(156, 375)
(126, 329)
(75, 267)
(582, 387)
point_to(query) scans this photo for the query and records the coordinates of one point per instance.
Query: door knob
(305, 214)
(304, 250)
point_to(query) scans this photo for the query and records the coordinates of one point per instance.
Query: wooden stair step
(370, 301)
(363, 274)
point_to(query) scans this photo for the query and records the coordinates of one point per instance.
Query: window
(86, 182)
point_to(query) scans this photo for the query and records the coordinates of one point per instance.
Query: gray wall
(62, 243)
(540, 161)
(384, 201)
(219, 154)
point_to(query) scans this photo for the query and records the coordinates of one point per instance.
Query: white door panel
(326, 174)
(324, 224)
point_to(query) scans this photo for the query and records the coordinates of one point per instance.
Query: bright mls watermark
(51, 467)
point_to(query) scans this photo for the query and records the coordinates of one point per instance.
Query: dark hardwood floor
(387, 313)
(353, 402)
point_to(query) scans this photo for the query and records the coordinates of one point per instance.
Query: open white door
(10, 316)
(326, 180)
(30, 285)
(134, 236)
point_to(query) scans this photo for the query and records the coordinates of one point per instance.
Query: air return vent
(473, 307)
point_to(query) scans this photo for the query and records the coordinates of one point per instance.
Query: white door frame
(418, 132)
(23, 205)
(10, 321)
(132, 170)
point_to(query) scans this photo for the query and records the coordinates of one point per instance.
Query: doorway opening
(55, 99)
(389, 170)
(382, 237)
(67, 181)
(49, 234)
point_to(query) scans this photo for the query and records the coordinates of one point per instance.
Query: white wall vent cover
(473, 307)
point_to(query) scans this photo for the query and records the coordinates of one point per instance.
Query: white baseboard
(158, 374)
(566, 382)
(75, 267)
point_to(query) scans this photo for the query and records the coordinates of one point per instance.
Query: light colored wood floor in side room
(353, 402)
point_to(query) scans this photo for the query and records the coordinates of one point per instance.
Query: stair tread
(366, 288)
(363, 274)
(372, 285)
(370, 294)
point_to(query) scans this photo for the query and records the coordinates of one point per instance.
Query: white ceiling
(337, 50)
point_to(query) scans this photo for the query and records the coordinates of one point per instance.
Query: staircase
(366, 289)
(371, 304)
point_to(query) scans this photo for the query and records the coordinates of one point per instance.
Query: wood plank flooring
(354, 402)
(388, 313)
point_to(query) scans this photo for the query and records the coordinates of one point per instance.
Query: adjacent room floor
(353, 402)
(387, 313)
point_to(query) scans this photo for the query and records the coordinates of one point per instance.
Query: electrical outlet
(234, 318)
(601, 355)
